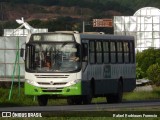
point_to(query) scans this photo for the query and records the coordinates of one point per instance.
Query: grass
(23, 100)
(143, 95)
(16, 99)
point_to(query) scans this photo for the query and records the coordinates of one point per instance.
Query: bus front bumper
(66, 91)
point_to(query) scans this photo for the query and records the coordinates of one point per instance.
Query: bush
(146, 58)
(139, 72)
(153, 73)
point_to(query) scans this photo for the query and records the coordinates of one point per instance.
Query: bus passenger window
(119, 52)
(126, 52)
(99, 52)
(113, 52)
(106, 52)
(131, 52)
(92, 52)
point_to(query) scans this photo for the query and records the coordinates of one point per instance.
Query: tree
(147, 58)
(153, 73)
(139, 72)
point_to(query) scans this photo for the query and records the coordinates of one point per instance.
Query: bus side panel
(109, 86)
(129, 84)
(106, 86)
(99, 87)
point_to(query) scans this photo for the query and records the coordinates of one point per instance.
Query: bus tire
(70, 101)
(78, 101)
(74, 100)
(116, 98)
(92, 86)
(42, 100)
(87, 99)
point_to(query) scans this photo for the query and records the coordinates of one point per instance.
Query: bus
(79, 66)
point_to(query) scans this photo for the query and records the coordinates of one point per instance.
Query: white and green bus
(79, 66)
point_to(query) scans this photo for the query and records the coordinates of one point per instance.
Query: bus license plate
(51, 88)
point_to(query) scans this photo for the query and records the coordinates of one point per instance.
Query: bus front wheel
(70, 101)
(87, 99)
(42, 100)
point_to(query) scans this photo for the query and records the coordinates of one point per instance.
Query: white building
(144, 25)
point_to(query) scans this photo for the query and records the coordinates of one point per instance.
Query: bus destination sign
(102, 23)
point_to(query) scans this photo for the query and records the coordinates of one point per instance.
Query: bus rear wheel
(42, 100)
(116, 98)
(70, 101)
(74, 101)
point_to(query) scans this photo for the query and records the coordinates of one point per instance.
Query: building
(144, 25)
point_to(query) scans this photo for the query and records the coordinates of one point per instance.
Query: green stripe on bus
(66, 91)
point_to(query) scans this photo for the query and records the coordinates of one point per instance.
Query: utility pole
(85, 24)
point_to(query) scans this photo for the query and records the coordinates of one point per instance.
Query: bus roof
(105, 36)
(94, 36)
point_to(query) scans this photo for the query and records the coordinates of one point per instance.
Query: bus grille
(52, 76)
(52, 90)
(48, 83)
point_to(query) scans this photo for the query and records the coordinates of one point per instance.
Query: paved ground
(144, 88)
(91, 107)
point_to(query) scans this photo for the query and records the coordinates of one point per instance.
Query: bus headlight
(73, 82)
(31, 82)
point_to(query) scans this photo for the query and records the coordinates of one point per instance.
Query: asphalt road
(91, 107)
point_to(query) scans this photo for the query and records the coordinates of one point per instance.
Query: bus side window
(106, 52)
(92, 52)
(120, 52)
(99, 52)
(85, 52)
(126, 52)
(131, 51)
(113, 52)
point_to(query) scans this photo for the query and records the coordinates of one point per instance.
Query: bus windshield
(53, 57)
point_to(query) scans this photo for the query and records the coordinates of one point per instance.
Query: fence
(8, 49)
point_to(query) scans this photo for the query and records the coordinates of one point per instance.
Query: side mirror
(22, 52)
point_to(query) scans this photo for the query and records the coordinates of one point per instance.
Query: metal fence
(10, 44)
(8, 49)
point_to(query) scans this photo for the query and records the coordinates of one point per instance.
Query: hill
(81, 9)
(67, 14)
